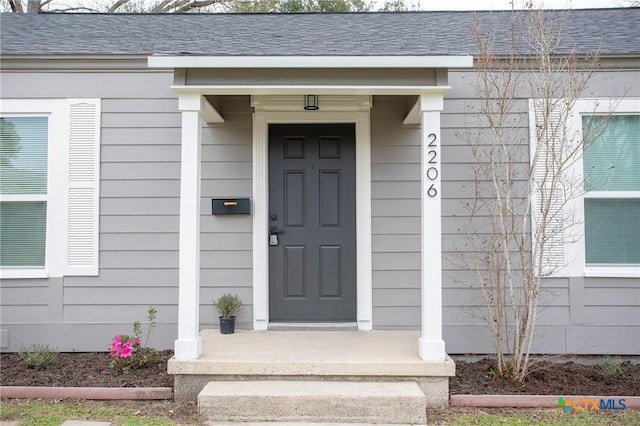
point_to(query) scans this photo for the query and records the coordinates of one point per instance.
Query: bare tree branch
(116, 5)
(197, 4)
(16, 6)
(160, 7)
(521, 201)
(74, 9)
(33, 6)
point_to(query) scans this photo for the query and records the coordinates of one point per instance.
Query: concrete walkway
(303, 424)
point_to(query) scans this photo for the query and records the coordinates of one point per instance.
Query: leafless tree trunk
(521, 192)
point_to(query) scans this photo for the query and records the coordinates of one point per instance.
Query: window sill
(612, 272)
(10, 274)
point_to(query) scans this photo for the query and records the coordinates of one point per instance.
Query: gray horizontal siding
(566, 312)
(28, 301)
(131, 277)
(395, 189)
(85, 336)
(603, 339)
(130, 295)
(395, 225)
(612, 315)
(140, 136)
(133, 153)
(146, 170)
(138, 241)
(396, 213)
(139, 120)
(139, 224)
(114, 85)
(140, 187)
(388, 280)
(22, 296)
(27, 314)
(227, 241)
(132, 105)
(616, 296)
(395, 207)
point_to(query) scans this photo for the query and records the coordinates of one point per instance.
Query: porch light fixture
(311, 102)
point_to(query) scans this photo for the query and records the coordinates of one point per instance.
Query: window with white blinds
(611, 172)
(49, 187)
(23, 191)
(601, 209)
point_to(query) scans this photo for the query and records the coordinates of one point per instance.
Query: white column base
(187, 349)
(260, 325)
(431, 350)
(365, 325)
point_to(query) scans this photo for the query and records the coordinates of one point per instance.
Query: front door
(312, 256)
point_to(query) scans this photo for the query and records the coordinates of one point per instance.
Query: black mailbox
(230, 206)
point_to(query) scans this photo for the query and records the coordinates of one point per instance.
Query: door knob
(274, 230)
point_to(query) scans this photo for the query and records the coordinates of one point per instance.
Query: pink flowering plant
(127, 352)
(123, 346)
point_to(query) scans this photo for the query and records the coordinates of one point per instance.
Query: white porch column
(431, 345)
(188, 345)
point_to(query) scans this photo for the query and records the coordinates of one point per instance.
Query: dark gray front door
(312, 270)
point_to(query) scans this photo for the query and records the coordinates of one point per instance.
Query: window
(611, 165)
(49, 180)
(601, 226)
(23, 185)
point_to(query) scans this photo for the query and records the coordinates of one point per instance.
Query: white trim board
(462, 61)
(265, 115)
(266, 89)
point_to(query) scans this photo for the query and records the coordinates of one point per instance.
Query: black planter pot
(227, 325)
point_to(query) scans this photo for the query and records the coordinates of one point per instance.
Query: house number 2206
(432, 165)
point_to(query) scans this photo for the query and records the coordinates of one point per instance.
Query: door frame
(289, 110)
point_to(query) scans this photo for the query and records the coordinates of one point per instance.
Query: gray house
(313, 164)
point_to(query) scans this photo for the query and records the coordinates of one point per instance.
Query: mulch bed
(92, 370)
(84, 370)
(546, 378)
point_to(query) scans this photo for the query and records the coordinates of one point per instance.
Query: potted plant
(227, 305)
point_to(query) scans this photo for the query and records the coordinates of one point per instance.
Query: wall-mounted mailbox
(230, 206)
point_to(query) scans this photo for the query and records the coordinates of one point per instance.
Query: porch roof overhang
(211, 115)
(442, 61)
(197, 93)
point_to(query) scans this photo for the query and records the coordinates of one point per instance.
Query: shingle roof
(612, 31)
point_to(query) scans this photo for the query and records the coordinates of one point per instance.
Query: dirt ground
(92, 369)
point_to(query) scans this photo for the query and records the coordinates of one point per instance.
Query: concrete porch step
(313, 401)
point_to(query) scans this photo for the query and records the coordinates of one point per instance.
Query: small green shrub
(609, 368)
(227, 305)
(37, 355)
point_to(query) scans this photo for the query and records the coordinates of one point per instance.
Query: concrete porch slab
(315, 353)
(373, 356)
